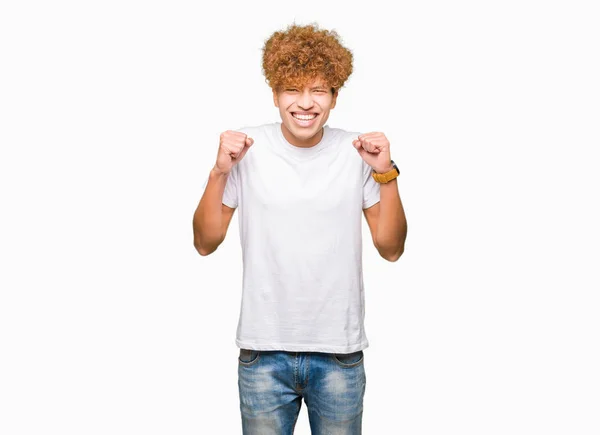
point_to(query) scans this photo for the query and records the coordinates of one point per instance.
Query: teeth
(304, 117)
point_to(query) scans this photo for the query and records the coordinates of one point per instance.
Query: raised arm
(212, 217)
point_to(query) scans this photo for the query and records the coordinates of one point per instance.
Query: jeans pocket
(349, 359)
(248, 356)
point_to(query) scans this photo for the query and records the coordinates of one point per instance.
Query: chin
(304, 131)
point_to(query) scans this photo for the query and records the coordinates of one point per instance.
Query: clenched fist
(233, 146)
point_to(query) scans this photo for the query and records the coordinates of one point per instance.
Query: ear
(275, 98)
(335, 94)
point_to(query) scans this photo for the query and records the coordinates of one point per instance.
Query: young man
(301, 188)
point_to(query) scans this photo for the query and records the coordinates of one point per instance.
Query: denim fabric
(273, 383)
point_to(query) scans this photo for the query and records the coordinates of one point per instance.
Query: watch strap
(387, 176)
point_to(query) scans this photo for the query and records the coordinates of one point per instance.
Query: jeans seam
(307, 369)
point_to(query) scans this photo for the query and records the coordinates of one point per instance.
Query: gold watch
(387, 176)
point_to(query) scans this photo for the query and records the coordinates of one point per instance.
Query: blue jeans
(272, 384)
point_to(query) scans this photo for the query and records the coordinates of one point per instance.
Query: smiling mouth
(304, 117)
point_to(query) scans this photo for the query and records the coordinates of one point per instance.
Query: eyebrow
(313, 88)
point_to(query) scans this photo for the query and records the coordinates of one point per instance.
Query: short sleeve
(371, 188)
(230, 194)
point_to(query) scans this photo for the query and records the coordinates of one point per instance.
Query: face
(304, 111)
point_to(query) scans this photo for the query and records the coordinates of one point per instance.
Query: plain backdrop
(110, 113)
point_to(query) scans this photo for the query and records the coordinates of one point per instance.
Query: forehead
(308, 83)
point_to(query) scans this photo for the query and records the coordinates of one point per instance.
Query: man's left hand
(374, 148)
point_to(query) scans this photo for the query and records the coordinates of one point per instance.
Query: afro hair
(301, 54)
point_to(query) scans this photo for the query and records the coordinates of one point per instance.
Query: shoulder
(343, 135)
(255, 129)
(343, 139)
(261, 135)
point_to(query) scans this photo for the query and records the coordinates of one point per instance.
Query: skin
(315, 97)
(386, 219)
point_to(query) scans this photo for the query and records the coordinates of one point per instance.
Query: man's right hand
(233, 146)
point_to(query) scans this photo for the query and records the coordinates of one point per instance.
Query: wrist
(384, 169)
(216, 172)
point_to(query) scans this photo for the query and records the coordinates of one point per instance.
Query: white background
(110, 112)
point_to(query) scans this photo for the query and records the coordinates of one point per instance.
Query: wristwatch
(387, 176)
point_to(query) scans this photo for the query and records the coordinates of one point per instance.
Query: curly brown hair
(301, 54)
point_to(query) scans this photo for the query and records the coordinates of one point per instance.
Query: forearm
(208, 217)
(392, 227)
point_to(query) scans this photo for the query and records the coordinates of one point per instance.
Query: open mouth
(304, 119)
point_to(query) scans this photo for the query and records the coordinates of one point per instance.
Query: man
(300, 187)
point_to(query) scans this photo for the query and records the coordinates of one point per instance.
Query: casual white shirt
(300, 225)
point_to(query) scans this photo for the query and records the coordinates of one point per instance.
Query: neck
(301, 143)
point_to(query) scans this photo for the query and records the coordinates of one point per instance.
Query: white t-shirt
(300, 224)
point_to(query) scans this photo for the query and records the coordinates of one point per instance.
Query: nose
(305, 100)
